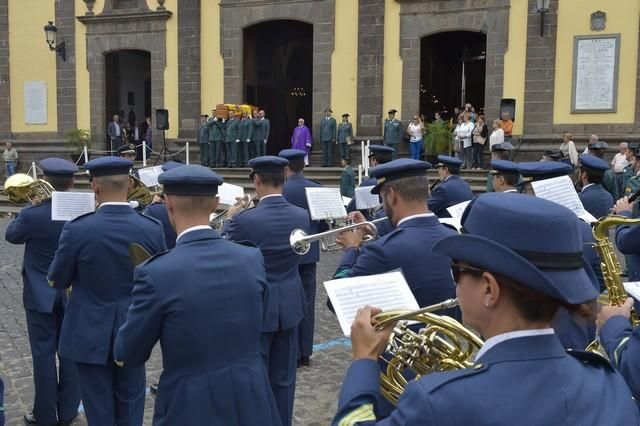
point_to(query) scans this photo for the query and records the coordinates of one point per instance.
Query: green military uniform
(259, 135)
(609, 183)
(632, 186)
(392, 134)
(345, 134)
(347, 182)
(327, 137)
(231, 141)
(216, 138)
(244, 133)
(627, 173)
(203, 143)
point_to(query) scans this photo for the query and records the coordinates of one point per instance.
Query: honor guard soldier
(93, 257)
(244, 133)
(216, 128)
(392, 132)
(294, 192)
(328, 131)
(595, 199)
(403, 186)
(259, 133)
(56, 390)
(269, 226)
(158, 211)
(219, 303)
(232, 139)
(505, 175)
(203, 140)
(509, 286)
(345, 137)
(451, 189)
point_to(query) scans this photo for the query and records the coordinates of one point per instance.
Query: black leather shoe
(153, 389)
(29, 418)
(66, 422)
(304, 362)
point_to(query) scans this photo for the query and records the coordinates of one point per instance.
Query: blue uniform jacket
(407, 247)
(452, 191)
(622, 344)
(596, 200)
(204, 301)
(293, 191)
(501, 389)
(34, 228)
(628, 242)
(269, 227)
(93, 256)
(159, 212)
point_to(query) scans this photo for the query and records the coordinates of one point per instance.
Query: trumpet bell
(298, 242)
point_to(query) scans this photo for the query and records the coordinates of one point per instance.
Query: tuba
(21, 188)
(611, 269)
(442, 345)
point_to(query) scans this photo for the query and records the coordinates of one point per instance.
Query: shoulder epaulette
(155, 256)
(81, 216)
(432, 382)
(151, 218)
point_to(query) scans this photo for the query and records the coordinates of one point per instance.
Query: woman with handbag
(480, 133)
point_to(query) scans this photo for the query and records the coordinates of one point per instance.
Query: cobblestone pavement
(317, 386)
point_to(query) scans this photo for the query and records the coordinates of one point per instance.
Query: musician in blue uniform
(219, 302)
(1, 402)
(293, 191)
(451, 190)
(269, 226)
(595, 199)
(505, 176)
(509, 285)
(93, 257)
(158, 210)
(499, 151)
(56, 390)
(628, 239)
(403, 186)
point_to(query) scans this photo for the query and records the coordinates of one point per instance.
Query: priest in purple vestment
(301, 139)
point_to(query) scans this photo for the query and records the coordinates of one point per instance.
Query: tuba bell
(21, 188)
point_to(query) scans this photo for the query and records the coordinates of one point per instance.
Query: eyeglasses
(457, 269)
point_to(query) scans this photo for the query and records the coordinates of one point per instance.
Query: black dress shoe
(153, 389)
(66, 422)
(29, 418)
(304, 362)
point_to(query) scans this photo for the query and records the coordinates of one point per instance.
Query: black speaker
(508, 106)
(162, 119)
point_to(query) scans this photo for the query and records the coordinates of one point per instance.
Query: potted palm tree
(77, 139)
(437, 141)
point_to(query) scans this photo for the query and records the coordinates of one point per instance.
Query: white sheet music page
(325, 203)
(633, 289)
(365, 199)
(457, 209)
(227, 193)
(149, 175)
(385, 291)
(561, 191)
(69, 205)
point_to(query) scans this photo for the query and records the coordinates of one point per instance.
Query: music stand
(164, 152)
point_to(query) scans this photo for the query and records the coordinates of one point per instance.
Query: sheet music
(149, 175)
(385, 291)
(325, 203)
(69, 205)
(365, 199)
(633, 288)
(561, 191)
(457, 209)
(228, 193)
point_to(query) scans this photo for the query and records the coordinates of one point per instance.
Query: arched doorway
(452, 72)
(128, 85)
(278, 75)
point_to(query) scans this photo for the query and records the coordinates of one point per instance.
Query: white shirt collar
(193, 228)
(510, 190)
(414, 216)
(270, 195)
(115, 203)
(586, 186)
(495, 340)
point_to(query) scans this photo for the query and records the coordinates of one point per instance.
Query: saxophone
(611, 269)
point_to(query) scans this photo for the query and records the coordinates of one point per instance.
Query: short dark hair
(532, 305)
(296, 164)
(415, 188)
(454, 170)
(275, 179)
(594, 176)
(510, 179)
(383, 157)
(60, 183)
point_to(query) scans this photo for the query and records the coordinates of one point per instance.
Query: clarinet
(634, 196)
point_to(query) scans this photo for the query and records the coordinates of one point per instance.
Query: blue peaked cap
(190, 180)
(58, 167)
(397, 169)
(108, 166)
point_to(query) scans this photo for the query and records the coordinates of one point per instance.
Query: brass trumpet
(21, 188)
(442, 345)
(216, 220)
(300, 241)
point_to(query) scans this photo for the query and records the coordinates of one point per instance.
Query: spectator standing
(437, 118)
(618, 164)
(301, 139)
(464, 134)
(10, 157)
(506, 124)
(457, 144)
(148, 136)
(593, 139)
(497, 134)
(345, 136)
(480, 133)
(568, 149)
(414, 129)
(115, 131)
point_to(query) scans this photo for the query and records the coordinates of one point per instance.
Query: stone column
(189, 67)
(66, 70)
(5, 101)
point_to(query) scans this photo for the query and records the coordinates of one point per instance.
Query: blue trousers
(279, 353)
(56, 390)
(112, 395)
(305, 328)
(415, 149)
(10, 168)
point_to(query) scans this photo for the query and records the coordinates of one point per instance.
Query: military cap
(533, 241)
(599, 145)
(504, 146)
(592, 162)
(170, 165)
(380, 149)
(108, 166)
(127, 149)
(503, 167)
(267, 164)
(290, 154)
(328, 110)
(446, 161)
(346, 115)
(540, 170)
(192, 180)
(58, 167)
(397, 169)
(554, 154)
(633, 146)
(392, 111)
(204, 115)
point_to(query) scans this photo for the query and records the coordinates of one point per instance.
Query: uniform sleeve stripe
(616, 353)
(361, 414)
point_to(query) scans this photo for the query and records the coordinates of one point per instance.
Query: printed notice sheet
(365, 200)
(149, 175)
(457, 209)
(385, 291)
(69, 205)
(633, 289)
(228, 193)
(325, 203)
(561, 191)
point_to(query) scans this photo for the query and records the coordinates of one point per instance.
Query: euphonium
(443, 344)
(140, 192)
(611, 269)
(21, 188)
